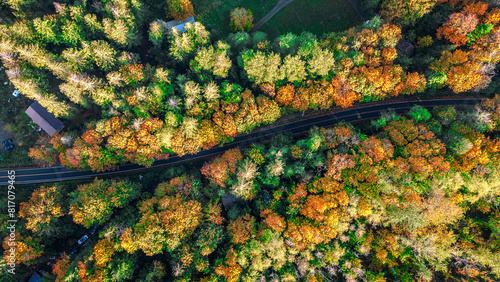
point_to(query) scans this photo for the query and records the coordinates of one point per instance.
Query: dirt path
(277, 8)
(282, 3)
(357, 7)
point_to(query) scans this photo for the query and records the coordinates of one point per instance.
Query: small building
(47, 121)
(179, 24)
(16, 93)
(35, 277)
(406, 47)
(229, 199)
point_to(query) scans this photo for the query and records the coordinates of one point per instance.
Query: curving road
(280, 5)
(364, 112)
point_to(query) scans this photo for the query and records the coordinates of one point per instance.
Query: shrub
(419, 113)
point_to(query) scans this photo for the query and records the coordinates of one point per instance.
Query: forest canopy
(412, 200)
(405, 197)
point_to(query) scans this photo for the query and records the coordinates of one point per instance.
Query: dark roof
(35, 277)
(47, 121)
(229, 199)
(407, 47)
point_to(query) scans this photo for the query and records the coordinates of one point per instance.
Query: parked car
(94, 229)
(83, 239)
(9, 147)
(72, 253)
(7, 142)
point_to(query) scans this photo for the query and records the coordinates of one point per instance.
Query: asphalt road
(59, 173)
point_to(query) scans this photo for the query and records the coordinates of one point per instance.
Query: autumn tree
(61, 267)
(165, 222)
(242, 229)
(245, 186)
(407, 11)
(241, 20)
(457, 28)
(93, 203)
(220, 168)
(180, 9)
(293, 69)
(42, 210)
(27, 248)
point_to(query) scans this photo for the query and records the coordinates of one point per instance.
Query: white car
(83, 239)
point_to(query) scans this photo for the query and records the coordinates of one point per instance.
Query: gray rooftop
(179, 24)
(47, 121)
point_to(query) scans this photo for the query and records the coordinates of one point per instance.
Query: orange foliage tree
(242, 229)
(218, 170)
(180, 9)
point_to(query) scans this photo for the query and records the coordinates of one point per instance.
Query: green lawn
(316, 16)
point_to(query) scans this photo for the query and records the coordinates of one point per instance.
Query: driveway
(5, 134)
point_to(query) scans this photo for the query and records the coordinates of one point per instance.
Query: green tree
(293, 69)
(419, 113)
(264, 68)
(184, 44)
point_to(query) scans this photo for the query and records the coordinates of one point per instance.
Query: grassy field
(316, 16)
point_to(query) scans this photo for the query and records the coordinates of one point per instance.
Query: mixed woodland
(155, 92)
(416, 200)
(411, 197)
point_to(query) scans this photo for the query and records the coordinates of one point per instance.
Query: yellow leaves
(342, 92)
(42, 208)
(242, 229)
(103, 251)
(231, 270)
(179, 216)
(378, 150)
(268, 109)
(414, 83)
(390, 34)
(325, 184)
(152, 125)
(442, 210)
(464, 77)
(302, 234)
(364, 208)
(24, 249)
(209, 134)
(493, 16)
(405, 11)
(316, 205)
(187, 256)
(256, 155)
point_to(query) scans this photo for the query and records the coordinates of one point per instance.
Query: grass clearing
(316, 16)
